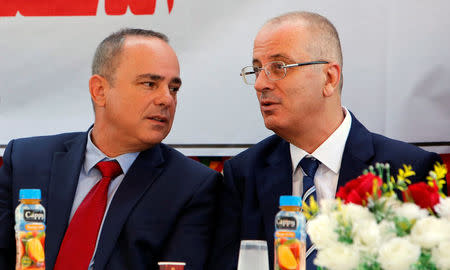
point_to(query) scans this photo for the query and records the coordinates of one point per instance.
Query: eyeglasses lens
(249, 74)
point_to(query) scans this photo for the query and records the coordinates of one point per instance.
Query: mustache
(266, 95)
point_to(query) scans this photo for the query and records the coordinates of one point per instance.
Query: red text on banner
(10, 8)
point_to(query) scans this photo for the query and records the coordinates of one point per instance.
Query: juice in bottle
(30, 231)
(290, 235)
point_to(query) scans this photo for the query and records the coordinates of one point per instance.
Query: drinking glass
(253, 255)
(171, 265)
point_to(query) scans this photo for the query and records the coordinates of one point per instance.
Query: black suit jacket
(162, 211)
(255, 179)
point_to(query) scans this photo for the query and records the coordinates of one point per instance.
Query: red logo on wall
(76, 7)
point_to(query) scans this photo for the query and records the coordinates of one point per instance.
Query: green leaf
(403, 226)
(424, 262)
(369, 262)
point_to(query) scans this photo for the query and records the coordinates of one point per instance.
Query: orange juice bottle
(290, 235)
(30, 231)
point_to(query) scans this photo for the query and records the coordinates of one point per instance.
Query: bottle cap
(290, 201)
(30, 194)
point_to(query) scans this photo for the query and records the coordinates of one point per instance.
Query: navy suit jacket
(255, 179)
(162, 211)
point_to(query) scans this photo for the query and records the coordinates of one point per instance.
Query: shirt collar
(330, 151)
(94, 155)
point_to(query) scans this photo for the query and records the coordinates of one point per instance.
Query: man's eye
(174, 89)
(256, 70)
(149, 84)
(277, 68)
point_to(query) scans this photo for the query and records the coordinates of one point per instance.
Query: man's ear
(333, 75)
(97, 87)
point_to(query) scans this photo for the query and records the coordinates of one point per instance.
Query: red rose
(422, 194)
(358, 190)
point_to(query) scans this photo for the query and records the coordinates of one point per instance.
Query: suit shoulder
(48, 139)
(183, 163)
(398, 147)
(387, 148)
(42, 144)
(261, 149)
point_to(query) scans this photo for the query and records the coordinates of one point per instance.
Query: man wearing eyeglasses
(318, 144)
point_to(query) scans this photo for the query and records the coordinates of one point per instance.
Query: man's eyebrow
(281, 56)
(256, 61)
(277, 56)
(150, 76)
(156, 77)
(176, 80)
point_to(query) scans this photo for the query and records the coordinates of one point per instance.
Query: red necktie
(79, 241)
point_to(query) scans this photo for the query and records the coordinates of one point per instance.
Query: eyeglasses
(275, 70)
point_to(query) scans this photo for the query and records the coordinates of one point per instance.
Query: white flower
(387, 230)
(443, 208)
(357, 213)
(391, 201)
(321, 231)
(410, 211)
(367, 235)
(398, 254)
(429, 231)
(338, 256)
(327, 206)
(441, 255)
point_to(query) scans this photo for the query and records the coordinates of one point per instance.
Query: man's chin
(154, 138)
(271, 123)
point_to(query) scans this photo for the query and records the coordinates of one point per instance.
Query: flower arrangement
(369, 228)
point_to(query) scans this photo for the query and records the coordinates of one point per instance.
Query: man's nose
(164, 96)
(262, 82)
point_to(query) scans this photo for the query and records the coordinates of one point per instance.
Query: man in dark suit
(159, 208)
(297, 74)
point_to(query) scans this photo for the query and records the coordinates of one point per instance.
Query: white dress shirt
(89, 176)
(329, 153)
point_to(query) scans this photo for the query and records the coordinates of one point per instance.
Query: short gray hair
(326, 43)
(106, 55)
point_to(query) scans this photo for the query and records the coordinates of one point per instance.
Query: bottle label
(30, 237)
(286, 223)
(289, 241)
(32, 215)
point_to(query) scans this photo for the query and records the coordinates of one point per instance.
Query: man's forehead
(280, 42)
(274, 57)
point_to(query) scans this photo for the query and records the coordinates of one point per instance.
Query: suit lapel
(144, 171)
(272, 181)
(358, 152)
(65, 172)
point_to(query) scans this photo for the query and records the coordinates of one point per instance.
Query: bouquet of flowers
(369, 228)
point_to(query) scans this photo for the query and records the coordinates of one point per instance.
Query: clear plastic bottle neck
(30, 201)
(290, 208)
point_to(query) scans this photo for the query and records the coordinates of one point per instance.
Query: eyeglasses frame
(284, 67)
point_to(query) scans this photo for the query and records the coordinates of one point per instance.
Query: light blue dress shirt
(89, 176)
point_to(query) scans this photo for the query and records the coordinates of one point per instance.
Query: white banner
(396, 64)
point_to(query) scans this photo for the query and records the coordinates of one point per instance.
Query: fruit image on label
(30, 231)
(30, 251)
(26, 262)
(35, 250)
(286, 258)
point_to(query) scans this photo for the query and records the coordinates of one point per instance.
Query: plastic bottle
(30, 231)
(290, 235)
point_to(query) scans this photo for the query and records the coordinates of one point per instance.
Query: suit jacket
(162, 211)
(255, 179)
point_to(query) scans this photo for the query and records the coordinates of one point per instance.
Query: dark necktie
(309, 166)
(79, 242)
